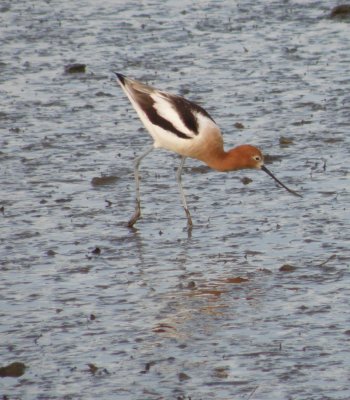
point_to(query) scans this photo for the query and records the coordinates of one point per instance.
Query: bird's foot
(135, 217)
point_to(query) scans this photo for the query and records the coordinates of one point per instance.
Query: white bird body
(198, 139)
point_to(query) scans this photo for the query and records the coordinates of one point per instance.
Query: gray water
(254, 303)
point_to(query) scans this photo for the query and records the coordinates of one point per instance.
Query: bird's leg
(178, 179)
(137, 213)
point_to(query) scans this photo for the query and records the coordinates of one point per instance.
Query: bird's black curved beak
(279, 182)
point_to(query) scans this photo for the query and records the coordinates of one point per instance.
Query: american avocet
(179, 125)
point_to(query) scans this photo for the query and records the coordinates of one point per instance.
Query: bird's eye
(257, 158)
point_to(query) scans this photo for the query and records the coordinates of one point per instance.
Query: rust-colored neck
(240, 157)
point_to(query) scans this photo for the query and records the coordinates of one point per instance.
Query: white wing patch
(165, 108)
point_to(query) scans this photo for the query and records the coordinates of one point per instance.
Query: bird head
(250, 157)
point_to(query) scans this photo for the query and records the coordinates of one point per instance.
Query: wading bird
(181, 126)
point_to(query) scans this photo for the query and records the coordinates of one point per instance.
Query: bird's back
(174, 122)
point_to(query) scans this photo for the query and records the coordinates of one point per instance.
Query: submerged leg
(137, 213)
(183, 198)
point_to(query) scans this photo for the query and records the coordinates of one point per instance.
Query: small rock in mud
(96, 251)
(237, 279)
(301, 122)
(191, 285)
(61, 200)
(285, 141)
(75, 68)
(103, 94)
(246, 181)
(109, 203)
(148, 367)
(221, 372)
(265, 271)
(239, 125)
(341, 11)
(287, 268)
(183, 377)
(103, 180)
(92, 368)
(14, 370)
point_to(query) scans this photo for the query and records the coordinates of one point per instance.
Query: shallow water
(254, 304)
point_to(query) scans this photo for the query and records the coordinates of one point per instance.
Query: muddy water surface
(254, 304)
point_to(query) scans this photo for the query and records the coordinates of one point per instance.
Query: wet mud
(253, 302)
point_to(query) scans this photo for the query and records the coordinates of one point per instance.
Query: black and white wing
(172, 114)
